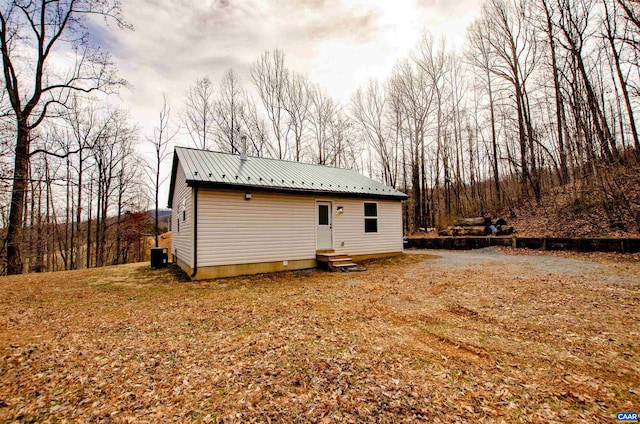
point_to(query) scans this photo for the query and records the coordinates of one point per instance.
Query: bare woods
(543, 94)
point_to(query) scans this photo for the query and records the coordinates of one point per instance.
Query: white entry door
(324, 226)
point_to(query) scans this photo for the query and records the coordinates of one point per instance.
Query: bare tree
(110, 151)
(255, 128)
(368, 108)
(345, 148)
(550, 30)
(297, 103)
(611, 34)
(431, 60)
(413, 95)
(481, 57)
(198, 115)
(229, 111)
(86, 125)
(270, 78)
(161, 140)
(38, 29)
(513, 43)
(575, 29)
(129, 185)
(631, 9)
(322, 113)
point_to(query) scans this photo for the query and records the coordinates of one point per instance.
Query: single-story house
(235, 215)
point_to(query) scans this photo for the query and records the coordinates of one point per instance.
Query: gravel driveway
(525, 264)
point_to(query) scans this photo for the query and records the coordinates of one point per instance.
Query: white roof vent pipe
(243, 152)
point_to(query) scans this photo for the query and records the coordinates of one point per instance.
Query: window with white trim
(370, 217)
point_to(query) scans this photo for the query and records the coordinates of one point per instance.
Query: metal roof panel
(216, 168)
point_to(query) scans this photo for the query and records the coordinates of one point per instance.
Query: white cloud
(340, 44)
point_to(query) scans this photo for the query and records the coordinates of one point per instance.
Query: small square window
(371, 225)
(371, 209)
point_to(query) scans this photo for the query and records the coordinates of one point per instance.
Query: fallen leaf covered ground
(455, 338)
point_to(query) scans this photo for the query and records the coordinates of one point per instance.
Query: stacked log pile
(480, 226)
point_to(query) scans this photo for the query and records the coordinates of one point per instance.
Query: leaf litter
(406, 341)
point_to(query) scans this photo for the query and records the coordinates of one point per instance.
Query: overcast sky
(340, 44)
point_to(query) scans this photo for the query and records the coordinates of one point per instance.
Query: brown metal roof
(207, 168)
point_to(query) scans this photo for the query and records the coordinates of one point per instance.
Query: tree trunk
(415, 191)
(564, 172)
(40, 239)
(423, 183)
(77, 241)
(156, 197)
(29, 259)
(89, 210)
(18, 193)
(494, 141)
(534, 174)
(601, 126)
(68, 250)
(522, 140)
(117, 257)
(50, 244)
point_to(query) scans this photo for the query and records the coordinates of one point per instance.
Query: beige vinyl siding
(182, 240)
(278, 226)
(269, 227)
(348, 227)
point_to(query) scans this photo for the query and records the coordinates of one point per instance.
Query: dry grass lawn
(413, 338)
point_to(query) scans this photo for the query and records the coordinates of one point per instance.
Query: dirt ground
(491, 335)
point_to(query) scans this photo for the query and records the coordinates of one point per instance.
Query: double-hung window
(370, 217)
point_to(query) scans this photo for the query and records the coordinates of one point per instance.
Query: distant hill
(164, 218)
(162, 213)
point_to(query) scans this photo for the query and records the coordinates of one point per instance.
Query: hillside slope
(610, 209)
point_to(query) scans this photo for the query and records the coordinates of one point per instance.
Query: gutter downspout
(195, 232)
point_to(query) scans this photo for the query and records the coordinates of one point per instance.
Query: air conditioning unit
(159, 257)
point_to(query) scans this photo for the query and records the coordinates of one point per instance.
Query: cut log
(504, 230)
(476, 230)
(446, 231)
(449, 231)
(471, 222)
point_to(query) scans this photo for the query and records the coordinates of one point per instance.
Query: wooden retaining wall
(620, 245)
